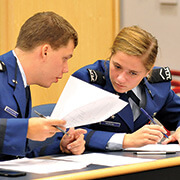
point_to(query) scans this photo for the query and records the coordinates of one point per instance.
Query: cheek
(134, 82)
(112, 73)
(57, 66)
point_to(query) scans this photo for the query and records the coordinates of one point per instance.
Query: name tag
(110, 123)
(11, 111)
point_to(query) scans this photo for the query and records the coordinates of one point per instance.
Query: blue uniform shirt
(161, 101)
(14, 115)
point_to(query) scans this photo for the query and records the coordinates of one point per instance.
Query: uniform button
(113, 116)
(154, 114)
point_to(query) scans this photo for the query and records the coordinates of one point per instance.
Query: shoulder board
(2, 67)
(162, 74)
(97, 77)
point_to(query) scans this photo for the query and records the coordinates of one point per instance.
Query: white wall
(162, 20)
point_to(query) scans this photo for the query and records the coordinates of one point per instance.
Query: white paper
(41, 166)
(105, 159)
(81, 103)
(156, 147)
(71, 162)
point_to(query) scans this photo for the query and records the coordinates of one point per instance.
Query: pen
(155, 152)
(41, 115)
(150, 118)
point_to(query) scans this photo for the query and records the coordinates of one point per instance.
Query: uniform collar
(21, 69)
(148, 87)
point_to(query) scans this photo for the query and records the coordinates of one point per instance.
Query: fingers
(158, 128)
(78, 132)
(168, 140)
(52, 125)
(148, 134)
(153, 133)
(75, 132)
(60, 123)
(74, 142)
(174, 137)
(78, 146)
(39, 129)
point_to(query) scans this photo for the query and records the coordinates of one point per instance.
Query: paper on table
(65, 163)
(156, 147)
(81, 103)
(104, 159)
(41, 166)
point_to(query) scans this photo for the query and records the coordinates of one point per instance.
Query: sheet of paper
(104, 159)
(81, 103)
(156, 147)
(41, 166)
(71, 162)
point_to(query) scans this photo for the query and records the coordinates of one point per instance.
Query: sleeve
(43, 148)
(97, 139)
(169, 115)
(103, 140)
(13, 136)
(116, 142)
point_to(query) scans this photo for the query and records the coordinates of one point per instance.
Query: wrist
(128, 141)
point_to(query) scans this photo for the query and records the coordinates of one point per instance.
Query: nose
(65, 68)
(121, 77)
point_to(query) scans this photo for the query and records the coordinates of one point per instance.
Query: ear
(149, 71)
(45, 50)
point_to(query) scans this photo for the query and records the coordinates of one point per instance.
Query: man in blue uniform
(45, 44)
(129, 73)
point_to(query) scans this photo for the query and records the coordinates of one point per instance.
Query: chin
(120, 90)
(45, 85)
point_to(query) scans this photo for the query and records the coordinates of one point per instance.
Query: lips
(119, 85)
(119, 88)
(57, 80)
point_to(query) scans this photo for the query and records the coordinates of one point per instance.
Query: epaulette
(162, 74)
(2, 67)
(97, 77)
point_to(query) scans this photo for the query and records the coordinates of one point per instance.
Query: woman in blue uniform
(129, 73)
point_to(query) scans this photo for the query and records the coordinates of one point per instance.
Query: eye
(65, 58)
(133, 73)
(117, 66)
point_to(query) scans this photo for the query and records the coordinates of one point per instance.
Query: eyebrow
(68, 56)
(131, 70)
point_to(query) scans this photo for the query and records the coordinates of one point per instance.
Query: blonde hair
(136, 42)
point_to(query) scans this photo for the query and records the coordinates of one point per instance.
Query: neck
(27, 60)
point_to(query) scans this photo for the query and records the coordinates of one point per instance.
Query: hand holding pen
(39, 129)
(152, 120)
(41, 115)
(72, 142)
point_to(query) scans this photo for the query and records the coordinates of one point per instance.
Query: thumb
(70, 134)
(71, 130)
(56, 122)
(168, 140)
